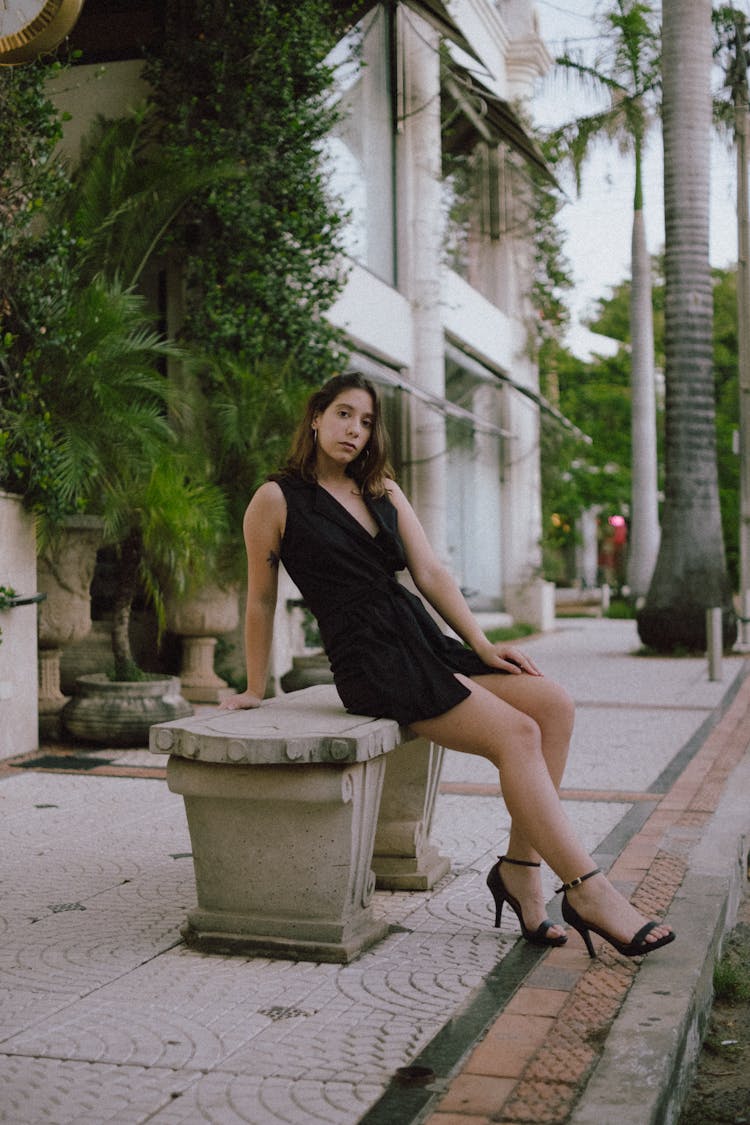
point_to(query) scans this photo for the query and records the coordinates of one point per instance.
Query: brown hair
(372, 467)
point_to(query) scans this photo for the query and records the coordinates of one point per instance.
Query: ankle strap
(518, 862)
(577, 882)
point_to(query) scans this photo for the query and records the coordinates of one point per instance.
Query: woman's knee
(521, 735)
(561, 706)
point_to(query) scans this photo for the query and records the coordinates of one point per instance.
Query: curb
(649, 1059)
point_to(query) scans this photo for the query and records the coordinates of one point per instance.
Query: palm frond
(127, 194)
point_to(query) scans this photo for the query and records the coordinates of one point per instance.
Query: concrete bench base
(283, 805)
(282, 857)
(404, 858)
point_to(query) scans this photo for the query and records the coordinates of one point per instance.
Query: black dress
(388, 656)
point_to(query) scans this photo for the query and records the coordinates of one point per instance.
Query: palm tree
(630, 82)
(121, 447)
(126, 195)
(690, 575)
(113, 423)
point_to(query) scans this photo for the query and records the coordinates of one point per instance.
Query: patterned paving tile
(60, 1092)
(106, 1016)
(226, 1099)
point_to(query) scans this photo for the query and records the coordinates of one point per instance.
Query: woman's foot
(599, 906)
(524, 884)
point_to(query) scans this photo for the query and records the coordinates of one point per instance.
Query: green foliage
(7, 597)
(732, 973)
(180, 519)
(33, 273)
(577, 475)
(620, 610)
(726, 378)
(103, 395)
(509, 632)
(246, 416)
(612, 313)
(730, 52)
(88, 418)
(246, 83)
(552, 276)
(627, 73)
(596, 397)
(126, 195)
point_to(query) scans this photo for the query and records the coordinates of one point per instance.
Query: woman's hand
(507, 658)
(243, 701)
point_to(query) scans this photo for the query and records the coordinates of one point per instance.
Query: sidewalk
(105, 1016)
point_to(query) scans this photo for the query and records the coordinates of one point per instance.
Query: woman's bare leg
(552, 709)
(493, 728)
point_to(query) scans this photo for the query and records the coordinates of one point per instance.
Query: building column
(420, 266)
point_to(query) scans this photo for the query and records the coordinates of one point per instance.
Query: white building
(436, 307)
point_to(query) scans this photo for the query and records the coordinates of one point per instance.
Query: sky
(598, 223)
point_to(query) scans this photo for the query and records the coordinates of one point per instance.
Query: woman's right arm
(263, 527)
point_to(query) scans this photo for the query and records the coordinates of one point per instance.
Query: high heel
(501, 895)
(636, 947)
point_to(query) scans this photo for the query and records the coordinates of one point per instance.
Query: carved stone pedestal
(51, 699)
(64, 572)
(197, 677)
(282, 805)
(404, 858)
(282, 857)
(199, 620)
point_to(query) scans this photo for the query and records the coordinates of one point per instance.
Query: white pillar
(421, 228)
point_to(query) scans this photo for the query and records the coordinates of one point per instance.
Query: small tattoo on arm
(273, 560)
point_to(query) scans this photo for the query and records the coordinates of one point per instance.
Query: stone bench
(295, 809)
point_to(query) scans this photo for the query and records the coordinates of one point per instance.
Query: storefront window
(360, 149)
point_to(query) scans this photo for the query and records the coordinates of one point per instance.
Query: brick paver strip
(552, 1074)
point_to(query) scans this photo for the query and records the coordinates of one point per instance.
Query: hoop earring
(315, 434)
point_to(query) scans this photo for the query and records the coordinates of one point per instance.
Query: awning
(474, 112)
(437, 14)
(434, 11)
(483, 371)
(381, 373)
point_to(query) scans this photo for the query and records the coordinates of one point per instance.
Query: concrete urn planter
(120, 713)
(307, 671)
(199, 620)
(65, 572)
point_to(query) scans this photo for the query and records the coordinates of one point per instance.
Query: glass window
(360, 149)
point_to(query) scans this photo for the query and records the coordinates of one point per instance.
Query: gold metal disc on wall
(29, 28)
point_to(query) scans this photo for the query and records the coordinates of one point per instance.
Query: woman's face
(345, 426)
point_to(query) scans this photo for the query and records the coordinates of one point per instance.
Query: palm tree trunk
(126, 586)
(690, 574)
(644, 510)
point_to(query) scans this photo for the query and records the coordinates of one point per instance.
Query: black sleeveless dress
(389, 658)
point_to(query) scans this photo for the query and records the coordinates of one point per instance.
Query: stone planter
(65, 572)
(307, 671)
(119, 713)
(198, 621)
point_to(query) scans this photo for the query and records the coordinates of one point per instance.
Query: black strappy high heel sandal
(636, 947)
(501, 895)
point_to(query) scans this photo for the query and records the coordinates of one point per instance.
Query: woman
(342, 527)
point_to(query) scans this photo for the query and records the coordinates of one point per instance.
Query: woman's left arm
(435, 582)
